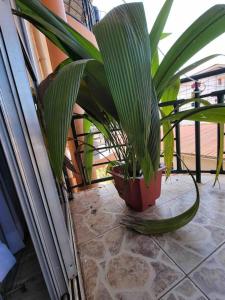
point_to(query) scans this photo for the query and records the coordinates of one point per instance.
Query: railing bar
(197, 139)
(204, 75)
(220, 99)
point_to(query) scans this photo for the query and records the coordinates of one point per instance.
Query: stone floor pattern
(122, 265)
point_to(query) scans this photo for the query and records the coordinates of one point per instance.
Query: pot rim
(112, 172)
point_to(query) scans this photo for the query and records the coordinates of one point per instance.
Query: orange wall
(56, 55)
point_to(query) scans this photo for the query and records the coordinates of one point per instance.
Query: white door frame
(28, 161)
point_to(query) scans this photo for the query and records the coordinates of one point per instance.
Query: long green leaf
(168, 142)
(154, 138)
(124, 43)
(95, 78)
(170, 81)
(159, 24)
(170, 93)
(155, 56)
(221, 152)
(155, 63)
(88, 150)
(146, 226)
(168, 147)
(210, 113)
(205, 29)
(59, 100)
(58, 31)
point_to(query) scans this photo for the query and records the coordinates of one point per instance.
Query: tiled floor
(122, 265)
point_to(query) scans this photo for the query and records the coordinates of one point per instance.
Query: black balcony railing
(218, 97)
(83, 11)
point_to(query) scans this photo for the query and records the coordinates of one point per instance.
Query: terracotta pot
(136, 193)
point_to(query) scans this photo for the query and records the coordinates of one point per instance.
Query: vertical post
(69, 190)
(177, 139)
(78, 156)
(197, 139)
(220, 99)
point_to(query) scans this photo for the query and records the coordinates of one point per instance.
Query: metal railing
(83, 11)
(219, 95)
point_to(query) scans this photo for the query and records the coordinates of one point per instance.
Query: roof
(208, 139)
(211, 68)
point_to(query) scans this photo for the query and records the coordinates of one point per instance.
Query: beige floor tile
(124, 265)
(210, 275)
(119, 264)
(185, 290)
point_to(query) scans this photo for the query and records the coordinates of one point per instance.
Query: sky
(183, 13)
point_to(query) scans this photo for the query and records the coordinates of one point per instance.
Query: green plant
(121, 85)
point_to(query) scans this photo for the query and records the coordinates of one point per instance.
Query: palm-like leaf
(146, 226)
(59, 100)
(168, 142)
(157, 30)
(118, 91)
(176, 77)
(221, 152)
(209, 113)
(124, 43)
(88, 149)
(58, 31)
(205, 29)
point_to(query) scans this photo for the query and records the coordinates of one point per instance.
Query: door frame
(28, 161)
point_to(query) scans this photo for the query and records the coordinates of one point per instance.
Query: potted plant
(120, 86)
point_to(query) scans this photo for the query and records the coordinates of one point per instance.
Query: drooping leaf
(155, 63)
(124, 43)
(221, 152)
(170, 94)
(58, 31)
(95, 78)
(209, 113)
(170, 81)
(204, 30)
(157, 30)
(59, 100)
(168, 147)
(146, 226)
(88, 149)
(155, 56)
(192, 100)
(168, 142)
(154, 138)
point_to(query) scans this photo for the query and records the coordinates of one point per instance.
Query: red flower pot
(136, 193)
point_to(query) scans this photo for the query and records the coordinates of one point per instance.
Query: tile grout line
(183, 279)
(167, 254)
(98, 236)
(204, 259)
(189, 273)
(195, 284)
(171, 288)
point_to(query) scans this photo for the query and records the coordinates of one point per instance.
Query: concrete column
(41, 51)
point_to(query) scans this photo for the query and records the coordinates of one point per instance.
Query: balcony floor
(120, 264)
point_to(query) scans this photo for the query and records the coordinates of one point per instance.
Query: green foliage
(204, 30)
(127, 66)
(157, 30)
(120, 86)
(221, 152)
(59, 100)
(88, 149)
